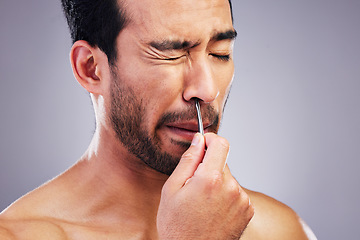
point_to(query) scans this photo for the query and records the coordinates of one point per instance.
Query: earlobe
(84, 65)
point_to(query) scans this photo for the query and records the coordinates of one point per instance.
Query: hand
(201, 199)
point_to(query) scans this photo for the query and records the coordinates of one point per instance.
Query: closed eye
(224, 58)
(172, 58)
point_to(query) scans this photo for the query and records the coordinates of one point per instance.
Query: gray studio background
(292, 119)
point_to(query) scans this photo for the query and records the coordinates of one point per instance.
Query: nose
(200, 82)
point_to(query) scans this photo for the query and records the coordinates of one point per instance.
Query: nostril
(201, 95)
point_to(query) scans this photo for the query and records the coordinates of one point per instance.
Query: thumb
(188, 164)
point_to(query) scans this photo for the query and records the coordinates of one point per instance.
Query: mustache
(208, 113)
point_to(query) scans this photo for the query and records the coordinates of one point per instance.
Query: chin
(177, 148)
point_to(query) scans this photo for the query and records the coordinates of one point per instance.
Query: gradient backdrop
(293, 118)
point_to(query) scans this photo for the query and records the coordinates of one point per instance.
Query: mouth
(179, 128)
(185, 130)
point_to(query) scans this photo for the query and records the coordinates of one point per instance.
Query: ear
(86, 63)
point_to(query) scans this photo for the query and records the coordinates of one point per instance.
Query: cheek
(163, 88)
(167, 80)
(157, 86)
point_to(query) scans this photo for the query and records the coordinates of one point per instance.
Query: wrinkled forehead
(177, 18)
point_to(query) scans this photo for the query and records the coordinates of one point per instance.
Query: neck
(121, 187)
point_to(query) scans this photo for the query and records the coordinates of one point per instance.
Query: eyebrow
(173, 45)
(167, 45)
(228, 35)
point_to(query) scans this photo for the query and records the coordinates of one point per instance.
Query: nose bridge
(200, 82)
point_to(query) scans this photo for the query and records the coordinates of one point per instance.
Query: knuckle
(215, 180)
(245, 200)
(187, 156)
(234, 190)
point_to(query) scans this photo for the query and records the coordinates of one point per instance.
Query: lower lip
(181, 134)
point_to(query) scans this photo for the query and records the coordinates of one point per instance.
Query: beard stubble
(127, 113)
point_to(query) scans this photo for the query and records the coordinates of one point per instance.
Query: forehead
(178, 19)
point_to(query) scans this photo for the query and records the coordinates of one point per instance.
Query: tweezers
(200, 123)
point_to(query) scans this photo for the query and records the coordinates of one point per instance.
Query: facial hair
(127, 113)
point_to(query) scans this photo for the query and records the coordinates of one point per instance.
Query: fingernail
(195, 140)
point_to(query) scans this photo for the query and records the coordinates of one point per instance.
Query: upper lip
(190, 125)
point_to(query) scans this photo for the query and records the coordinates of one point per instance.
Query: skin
(112, 194)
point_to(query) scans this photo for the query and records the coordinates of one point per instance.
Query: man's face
(170, 53)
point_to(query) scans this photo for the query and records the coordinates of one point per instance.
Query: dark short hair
(98, 22)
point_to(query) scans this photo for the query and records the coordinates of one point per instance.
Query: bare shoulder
(18, 229)
(275, 220)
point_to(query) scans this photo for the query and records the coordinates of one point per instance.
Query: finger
(187, 164)
(216, 153)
